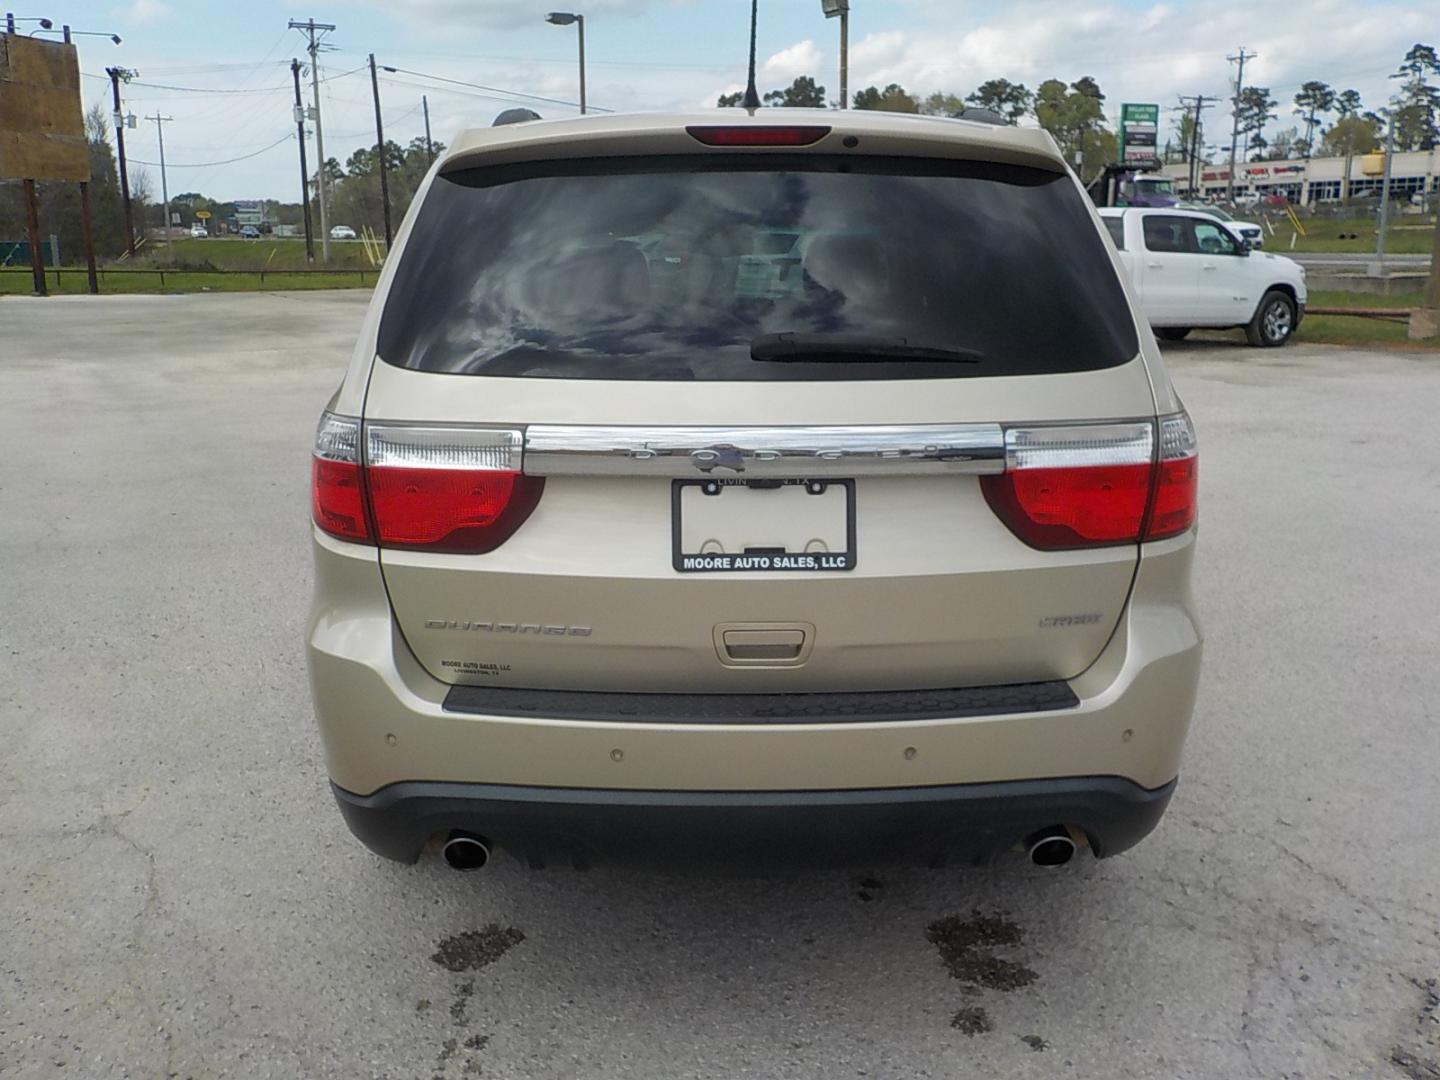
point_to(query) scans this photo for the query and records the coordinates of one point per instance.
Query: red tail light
(457, 490)
(757, 135)
(1095, 485)
(337, 494)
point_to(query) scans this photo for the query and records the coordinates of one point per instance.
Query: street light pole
(580, 25)
(565, 18)
(841, 9)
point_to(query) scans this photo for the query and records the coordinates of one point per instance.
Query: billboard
(42, 129)
(1139, 130)
(249, 211)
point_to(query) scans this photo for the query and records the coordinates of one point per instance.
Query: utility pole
(1235, 113)
(1385, 188)
(380, 149)
(116, 75)
(429, 146)
(1192, 150)
(304, 172)
(160, 122)
(1425, 320)
(314, 31)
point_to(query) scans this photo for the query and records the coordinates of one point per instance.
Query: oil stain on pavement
(462, 953)
(967, 947)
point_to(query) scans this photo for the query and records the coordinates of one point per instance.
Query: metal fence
(56, 272)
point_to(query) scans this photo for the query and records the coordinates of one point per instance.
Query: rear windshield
(675, 268)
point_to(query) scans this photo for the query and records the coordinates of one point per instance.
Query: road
(179, 897)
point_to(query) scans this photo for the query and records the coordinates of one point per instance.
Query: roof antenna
(752, 96)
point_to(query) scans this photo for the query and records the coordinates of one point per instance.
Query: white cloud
(452, 17)
(802, 58)
(1150, 56)
(144, 11)
(1150, 53)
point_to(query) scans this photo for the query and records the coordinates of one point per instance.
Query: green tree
(1315, 99)
(1074, 116)
(1286, 144)
(1185, 137)
(1254, 108)
(892, 99)
(730, 101)
(803, 93)
(942, 104)
(1010, 100)
(1419, 102)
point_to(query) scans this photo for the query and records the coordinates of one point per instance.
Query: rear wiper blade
(855, 349)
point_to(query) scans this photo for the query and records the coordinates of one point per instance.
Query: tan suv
(781, 488)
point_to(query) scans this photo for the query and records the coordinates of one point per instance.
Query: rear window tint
(669, 268)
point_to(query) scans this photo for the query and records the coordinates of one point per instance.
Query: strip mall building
(1319, 179)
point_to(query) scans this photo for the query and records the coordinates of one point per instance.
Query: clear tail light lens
(1177, 482)
(337, 493)
(1093, 485)
(444, 489)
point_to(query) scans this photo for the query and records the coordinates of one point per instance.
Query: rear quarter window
(668, 268)
(1116, 228)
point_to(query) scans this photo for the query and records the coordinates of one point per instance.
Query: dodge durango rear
(794, 488)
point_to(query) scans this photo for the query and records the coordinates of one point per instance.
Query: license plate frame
(695, 562)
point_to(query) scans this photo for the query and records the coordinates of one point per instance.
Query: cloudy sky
(221, 67)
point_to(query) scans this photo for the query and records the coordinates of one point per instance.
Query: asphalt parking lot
(179, 897)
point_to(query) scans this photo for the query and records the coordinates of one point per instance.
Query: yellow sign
(203, 215)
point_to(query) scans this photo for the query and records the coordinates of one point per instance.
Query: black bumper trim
(777, 830)
(870, 706)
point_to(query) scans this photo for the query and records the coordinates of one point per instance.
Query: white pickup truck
(1190, 270)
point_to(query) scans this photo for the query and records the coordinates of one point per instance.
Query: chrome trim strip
(856, 450)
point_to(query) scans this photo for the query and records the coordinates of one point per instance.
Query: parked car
(1248, 231)
(1189, 270)
(625, 550)
(249, 232)
(1249, 199)
(342, 232)
(1275, 198)
(198, 231)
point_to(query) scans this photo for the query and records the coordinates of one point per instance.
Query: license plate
(762, 525)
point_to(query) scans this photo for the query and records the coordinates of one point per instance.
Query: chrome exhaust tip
(465, 851)
(1050, 847)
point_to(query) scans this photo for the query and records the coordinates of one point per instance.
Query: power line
(207, 164)
(225, 89)
(494, 89)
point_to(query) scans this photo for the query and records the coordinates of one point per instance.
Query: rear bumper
(948, 779)
(961, 823)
